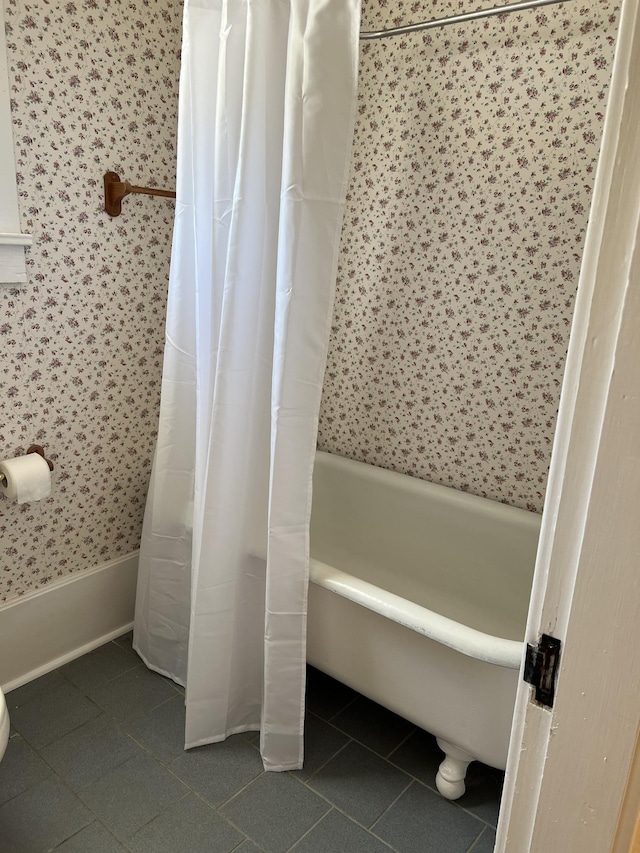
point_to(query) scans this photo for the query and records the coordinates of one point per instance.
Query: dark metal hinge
(541, 668)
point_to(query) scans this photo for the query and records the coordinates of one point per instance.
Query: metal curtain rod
(460, 19)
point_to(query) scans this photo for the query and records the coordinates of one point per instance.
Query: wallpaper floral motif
(474, 162)
(93, 87)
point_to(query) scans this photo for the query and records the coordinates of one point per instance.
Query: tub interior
(463, 556)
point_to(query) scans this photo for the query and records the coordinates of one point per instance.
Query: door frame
(568, 766)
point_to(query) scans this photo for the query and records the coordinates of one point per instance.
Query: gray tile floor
(95, 764)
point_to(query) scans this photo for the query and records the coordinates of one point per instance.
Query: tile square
(484, 792)
(189, 825)
(374, 726)
(321, 742)
(423, 822)
(161, 731)
(420, 756)
(21, 768)
(325, 696)
(32, 689)
(486, 842)
(41, 818)
(52, 714)
(219, 770)
(275, 811)
(88, 752)
(126, 642)
(360, 783)
(337, 832)
(132, 794)
(132, 694)
(92, 839)
(98, 667)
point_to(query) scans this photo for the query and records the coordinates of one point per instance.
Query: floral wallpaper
(474, 162)
(93, 87)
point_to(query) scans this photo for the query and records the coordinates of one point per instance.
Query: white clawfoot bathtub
(418, 599)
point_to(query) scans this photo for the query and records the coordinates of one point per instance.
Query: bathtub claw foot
(452, 771)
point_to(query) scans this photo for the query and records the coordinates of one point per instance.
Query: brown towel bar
(115, 190)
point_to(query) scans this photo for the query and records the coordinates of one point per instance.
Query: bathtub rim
(457, 636)
(472, 642)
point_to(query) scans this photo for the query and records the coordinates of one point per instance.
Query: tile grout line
(103, 711)
(476, 841)
(323, 765)
(344, 708)
(241, 831)
(124, 733)
(151, 819)
(299, 780)
(166, 766)
(76, 796)
(68, 838)
(304, 834)
(377, 754)
(145, 750)
(135, 658)
(244, 840)
(388, 758)
(483, 825)
(390, 806)
(233, 796)
(402, 743)
(97, 817)
(188, 792)
(380, 755)
(424, 784)
(434, 790)
(214, 809)
(361, 743)
(349, 817)
(345, 814)
(493, 826)
(355, 739)
(187, 789)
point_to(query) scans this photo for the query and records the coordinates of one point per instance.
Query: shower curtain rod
(460, 19)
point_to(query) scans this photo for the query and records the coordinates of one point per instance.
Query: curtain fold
(267, 102)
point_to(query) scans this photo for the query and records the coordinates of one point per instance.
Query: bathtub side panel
(455, 697)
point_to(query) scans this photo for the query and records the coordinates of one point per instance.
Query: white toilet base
(4, 725)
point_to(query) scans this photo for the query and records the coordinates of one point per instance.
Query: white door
(568, 765)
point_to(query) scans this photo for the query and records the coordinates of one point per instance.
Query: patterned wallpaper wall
(94, 88)
(474, 163)
(473, 166)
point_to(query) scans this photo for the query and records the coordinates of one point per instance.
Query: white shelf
(8, 239)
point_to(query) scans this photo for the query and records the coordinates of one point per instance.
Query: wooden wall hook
(36, 448)
(115, 190)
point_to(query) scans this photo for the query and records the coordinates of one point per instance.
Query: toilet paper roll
(28, 478)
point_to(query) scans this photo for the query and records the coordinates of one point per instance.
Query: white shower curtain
(267, 103)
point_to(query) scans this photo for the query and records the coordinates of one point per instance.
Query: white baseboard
(50, 627)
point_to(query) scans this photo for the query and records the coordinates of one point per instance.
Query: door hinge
(541, 668)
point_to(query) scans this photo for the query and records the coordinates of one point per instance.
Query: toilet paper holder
(35, 448)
